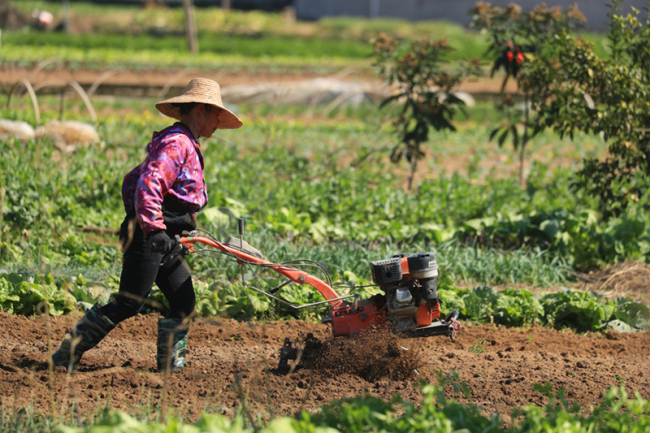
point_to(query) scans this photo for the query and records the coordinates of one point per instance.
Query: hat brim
(227, 119)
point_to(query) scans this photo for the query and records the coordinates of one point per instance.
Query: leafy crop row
(581, 311)
(227, 54)
(437, 414)
(212, 43)
(305, 193)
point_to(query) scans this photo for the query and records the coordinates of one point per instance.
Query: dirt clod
(373, 356)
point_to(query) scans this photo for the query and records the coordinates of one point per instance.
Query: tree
(424, 91)
(610, 97)
(517, 39)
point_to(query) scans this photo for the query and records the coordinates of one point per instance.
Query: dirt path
(499, 365)
(175, 80)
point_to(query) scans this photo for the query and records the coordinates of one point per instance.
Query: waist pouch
(175, 218)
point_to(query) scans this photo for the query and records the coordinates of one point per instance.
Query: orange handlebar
(295, 275)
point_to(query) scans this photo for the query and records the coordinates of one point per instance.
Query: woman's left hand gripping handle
(177, 248)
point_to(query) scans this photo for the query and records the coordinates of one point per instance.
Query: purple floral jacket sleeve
(173, 167)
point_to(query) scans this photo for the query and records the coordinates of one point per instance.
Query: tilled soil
(227, 359)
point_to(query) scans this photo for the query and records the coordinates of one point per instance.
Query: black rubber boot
(172, 344)
(85, 335)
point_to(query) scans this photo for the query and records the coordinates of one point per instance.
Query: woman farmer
(161, 197)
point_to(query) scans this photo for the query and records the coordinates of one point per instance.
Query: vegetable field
(317, 187)
(551, 290)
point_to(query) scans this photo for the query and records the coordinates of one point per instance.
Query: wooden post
(66, 16)
(225, 5)
(190, 27)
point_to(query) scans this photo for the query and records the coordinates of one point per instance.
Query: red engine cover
(348, 324)
(426, 317)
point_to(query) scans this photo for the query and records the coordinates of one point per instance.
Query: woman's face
(209, 122)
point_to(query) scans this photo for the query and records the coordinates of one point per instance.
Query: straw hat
(203, 91)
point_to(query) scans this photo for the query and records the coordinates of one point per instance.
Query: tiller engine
(409, 303)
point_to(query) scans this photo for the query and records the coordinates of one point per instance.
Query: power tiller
(409, 303)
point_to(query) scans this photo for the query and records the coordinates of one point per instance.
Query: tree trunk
(2, 204)
(190, 27)
(521, 164)
(414, 166)
(524, 141)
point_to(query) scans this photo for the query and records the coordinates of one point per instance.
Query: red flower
(509, 44)
(520, 58)
(510, 56)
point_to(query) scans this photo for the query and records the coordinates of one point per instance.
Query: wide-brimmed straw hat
(203, 91)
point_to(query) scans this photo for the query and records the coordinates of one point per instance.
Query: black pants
(141, 268)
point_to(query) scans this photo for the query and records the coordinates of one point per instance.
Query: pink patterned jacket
(173, 169)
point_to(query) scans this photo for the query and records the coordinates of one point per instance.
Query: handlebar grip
(240, 223)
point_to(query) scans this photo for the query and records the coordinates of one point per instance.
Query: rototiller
(410, 302)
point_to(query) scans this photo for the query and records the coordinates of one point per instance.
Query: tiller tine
(305, 351)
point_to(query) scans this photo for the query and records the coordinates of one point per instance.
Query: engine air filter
(386, 271)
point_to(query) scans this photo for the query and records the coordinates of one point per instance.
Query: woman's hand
(161, 242)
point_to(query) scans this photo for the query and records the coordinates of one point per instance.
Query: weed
(478, 347)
